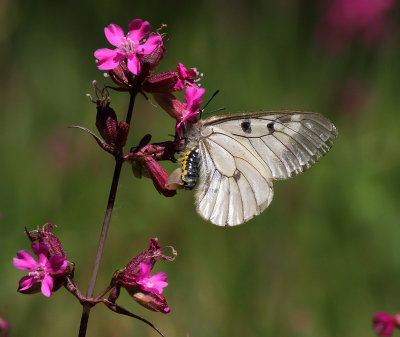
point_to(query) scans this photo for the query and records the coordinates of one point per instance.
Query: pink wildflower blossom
(193, 101)
(182, 112)
(187, 78)
(384, 323)
(127, 47)
(39, 272)
(154, 283)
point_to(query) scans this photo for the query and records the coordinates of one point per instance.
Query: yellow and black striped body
(191, 168)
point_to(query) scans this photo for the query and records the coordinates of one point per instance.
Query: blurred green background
(319, 262)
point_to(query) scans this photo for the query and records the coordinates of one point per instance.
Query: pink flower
(346, 20)
(42, 272)
(187, 78)
(136, 279)
(193, 101)
(182, 112)
(128, 47)
(154, 283)
(384, 323)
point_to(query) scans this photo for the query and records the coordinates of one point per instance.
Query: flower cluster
(47, 274)
(52, 270)
(136, 57)
(132, 66)
(136, 279)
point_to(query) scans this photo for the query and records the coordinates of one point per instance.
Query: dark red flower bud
(151, 301)
(106, 121)
(175, 108)
(161, 83)
(122, 77)
(48, 238)
(123, 131)
(153, 170)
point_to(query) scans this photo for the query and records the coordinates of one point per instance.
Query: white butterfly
(236, 157)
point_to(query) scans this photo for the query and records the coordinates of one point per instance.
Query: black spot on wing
(237, 175)
(271, 128)
(246, 126)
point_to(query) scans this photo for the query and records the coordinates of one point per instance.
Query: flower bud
(161, 83)
(154, 171)
(151, 301)
(173, 106)
(45, 235)
(106, 121)
(123, 131)
(122, 77)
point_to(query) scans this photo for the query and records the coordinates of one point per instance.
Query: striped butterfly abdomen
(191, 168)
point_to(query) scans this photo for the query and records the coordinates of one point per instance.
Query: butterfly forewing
(288, 142)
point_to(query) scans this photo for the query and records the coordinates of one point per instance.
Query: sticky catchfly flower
(154, 283)
(127, 47)
(41, 272)
(136, 279)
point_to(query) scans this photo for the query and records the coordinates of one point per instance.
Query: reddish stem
(110, 205)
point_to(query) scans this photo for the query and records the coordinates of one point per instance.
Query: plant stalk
(106, 223)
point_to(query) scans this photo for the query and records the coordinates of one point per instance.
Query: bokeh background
(320, 261)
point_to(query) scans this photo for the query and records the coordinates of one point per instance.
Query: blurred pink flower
(4, 327)
(346, 20)
(384, 323)
(39, 272)
(154, 283)
(128, 47)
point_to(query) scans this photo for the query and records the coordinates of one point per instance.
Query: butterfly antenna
(214, 94)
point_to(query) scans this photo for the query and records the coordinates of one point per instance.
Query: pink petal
(47, 285)
(179, 85)
(181, 69)
(133, 64)
(138, 30)
(159, 277)
(193, 98)
(26, 282)
(145, 269)
(159, 286)
(24, 261)
(114, 34)
(42, 259)
(108, 59)
(150, 45)
(39, 248)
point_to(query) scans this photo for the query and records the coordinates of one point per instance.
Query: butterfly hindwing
(241, 154)
(235, 183)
